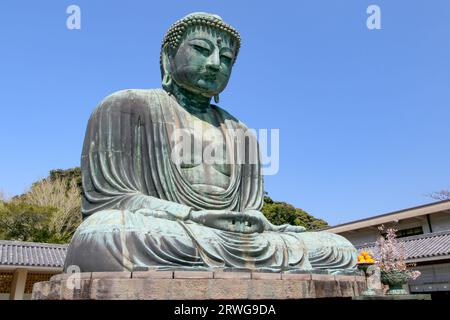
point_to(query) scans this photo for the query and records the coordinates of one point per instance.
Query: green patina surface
(143, 210)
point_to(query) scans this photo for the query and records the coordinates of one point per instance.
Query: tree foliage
(71, 176)
(63, 194)
(281, 212)
(25, 222)
(48, 212)
(440, 195)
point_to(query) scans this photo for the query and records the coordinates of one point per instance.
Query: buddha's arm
(159, 208)
(122, 161)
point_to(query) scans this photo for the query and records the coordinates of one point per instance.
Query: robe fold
(126, 159)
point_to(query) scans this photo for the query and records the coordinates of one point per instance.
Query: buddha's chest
(204, 160)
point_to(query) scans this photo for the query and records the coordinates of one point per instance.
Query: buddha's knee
(325, 239)
(104, 218)
(329, 251)
(97, 244)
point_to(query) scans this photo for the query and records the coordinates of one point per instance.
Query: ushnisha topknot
(175, 33)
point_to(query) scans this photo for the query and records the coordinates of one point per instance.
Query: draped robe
(136, 199)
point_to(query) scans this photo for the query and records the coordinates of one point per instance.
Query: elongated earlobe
(165, 70)
(216, 98)
(167, 82)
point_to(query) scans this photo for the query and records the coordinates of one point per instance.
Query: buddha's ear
(165, 70)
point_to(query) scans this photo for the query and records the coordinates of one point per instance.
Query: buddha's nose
(213, 62)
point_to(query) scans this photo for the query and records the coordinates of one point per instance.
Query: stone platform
(197, 285)
(395, 297)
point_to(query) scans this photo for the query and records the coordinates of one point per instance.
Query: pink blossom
(391, 254)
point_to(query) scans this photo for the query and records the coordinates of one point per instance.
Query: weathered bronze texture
(145, 209)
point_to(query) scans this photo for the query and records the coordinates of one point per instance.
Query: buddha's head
(198, 53)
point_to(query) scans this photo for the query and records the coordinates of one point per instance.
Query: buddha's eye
(226, 59)
(203, 50)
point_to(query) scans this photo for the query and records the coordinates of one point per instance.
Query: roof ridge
(410, 238)
(425, 235)
(33, 244)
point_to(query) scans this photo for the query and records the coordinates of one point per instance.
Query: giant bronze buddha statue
(144, 209)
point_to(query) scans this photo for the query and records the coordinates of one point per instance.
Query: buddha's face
(203, 62)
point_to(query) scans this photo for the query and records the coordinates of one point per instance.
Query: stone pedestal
(197, 285)
(396, 297)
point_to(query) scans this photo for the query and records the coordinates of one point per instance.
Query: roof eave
(392, 216)
(12, 267)
(427, 259)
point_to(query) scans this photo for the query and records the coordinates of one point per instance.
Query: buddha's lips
(209, 76)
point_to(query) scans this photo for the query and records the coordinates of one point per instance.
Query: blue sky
(363, 115)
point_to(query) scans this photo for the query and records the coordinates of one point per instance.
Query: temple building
(24, 263)
(425, 232)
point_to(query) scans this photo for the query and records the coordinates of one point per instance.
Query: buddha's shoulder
(132, 98)
(228, 116)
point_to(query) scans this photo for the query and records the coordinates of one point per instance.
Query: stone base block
(396, 297)
(196, 285)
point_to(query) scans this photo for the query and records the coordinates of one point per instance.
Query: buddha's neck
(192, 102)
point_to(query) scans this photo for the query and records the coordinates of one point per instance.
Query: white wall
(440, 221)
(361, 237)
(434, 277)
(413, 223)
(370, 235)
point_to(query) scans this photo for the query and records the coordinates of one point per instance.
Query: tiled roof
(32, 254)
(421, 246)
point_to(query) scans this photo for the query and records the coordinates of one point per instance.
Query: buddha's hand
(268, 226)
(289, 228)
(241, 222)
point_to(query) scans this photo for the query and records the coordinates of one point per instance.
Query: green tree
(63, 194)
(50, 209)
(25, 222)
(281, 212)
(69, 175)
